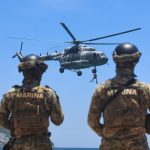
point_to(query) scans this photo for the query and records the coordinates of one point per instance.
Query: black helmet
(31, 57)
(32, 61)
(126, 52)
(126, 48)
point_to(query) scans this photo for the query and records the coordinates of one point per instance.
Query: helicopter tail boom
(54, 56)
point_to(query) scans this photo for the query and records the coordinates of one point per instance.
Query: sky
(40, 20)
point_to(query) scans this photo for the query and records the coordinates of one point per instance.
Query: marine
(25, 110)
(122, 102)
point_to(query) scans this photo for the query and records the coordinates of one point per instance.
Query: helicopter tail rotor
(19, 54)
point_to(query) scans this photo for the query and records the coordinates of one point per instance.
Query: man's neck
(28, 83)
(124, 75)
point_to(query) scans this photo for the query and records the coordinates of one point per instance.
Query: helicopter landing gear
(61, 70)
(79, 73)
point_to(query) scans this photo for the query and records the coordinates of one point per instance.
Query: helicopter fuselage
(82, 59)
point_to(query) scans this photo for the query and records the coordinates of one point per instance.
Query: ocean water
(76, 149)
(71, 148)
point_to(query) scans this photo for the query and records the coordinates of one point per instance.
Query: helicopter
(78, 56)
(69, 60)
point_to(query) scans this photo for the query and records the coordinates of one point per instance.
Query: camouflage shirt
(28, 111)
(125, 115)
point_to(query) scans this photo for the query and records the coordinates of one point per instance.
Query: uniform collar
(29, 84)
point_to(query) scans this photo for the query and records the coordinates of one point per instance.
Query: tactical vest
(131, 103)
(30, 112)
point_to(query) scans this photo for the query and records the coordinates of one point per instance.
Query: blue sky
(40, 19)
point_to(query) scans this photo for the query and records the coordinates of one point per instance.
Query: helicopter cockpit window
(102, 54)
(71, 50)
(74, 47)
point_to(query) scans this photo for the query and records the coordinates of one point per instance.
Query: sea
(70, 148)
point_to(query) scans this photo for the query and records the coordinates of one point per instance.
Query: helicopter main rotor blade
(21, 47)
(102, 43)
(107, 36)
(68, 31)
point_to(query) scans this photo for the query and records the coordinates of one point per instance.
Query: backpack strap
(118, 92)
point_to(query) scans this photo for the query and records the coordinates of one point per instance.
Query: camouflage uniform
(30, 112)
(124, 117)
(26, 110)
